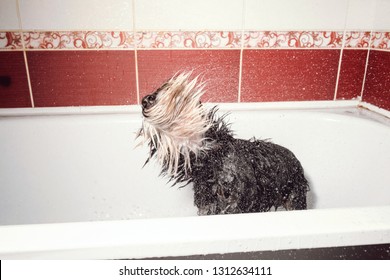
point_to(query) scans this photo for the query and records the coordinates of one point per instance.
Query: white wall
(170, 15)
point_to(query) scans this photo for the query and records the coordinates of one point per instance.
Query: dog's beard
(176, 124)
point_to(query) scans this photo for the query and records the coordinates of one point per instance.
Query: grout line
(71, 30)
(184, 48)
(183, 30)
(375, 109)
(135, 54)
(136, 76)
(20, 24)
(240, 76)
(122, 49)
(12, 50)
(366, 66)
(25, 54)
(79, 50)
(341, 51)
(379, 50)
(120, 30)
(28, 79)
(339, 67)
(179, 30)
(241, 51)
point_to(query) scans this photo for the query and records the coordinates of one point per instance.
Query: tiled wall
(113, 52)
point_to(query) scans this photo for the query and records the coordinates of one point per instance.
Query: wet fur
(229, 175)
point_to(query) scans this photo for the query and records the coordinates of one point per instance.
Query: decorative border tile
(79, 40)
(10, 40)
(293, 39)
(189, 39)
(62, 40)
(381, 40)
(357, 39)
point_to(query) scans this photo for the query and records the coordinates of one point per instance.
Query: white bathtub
(72, 185)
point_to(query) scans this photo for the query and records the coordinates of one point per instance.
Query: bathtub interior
(57, 168)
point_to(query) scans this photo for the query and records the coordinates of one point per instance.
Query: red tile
(220, 68)
(289, 75)
(377, 85)
(14, 90)
(82, 78)
(351, 74)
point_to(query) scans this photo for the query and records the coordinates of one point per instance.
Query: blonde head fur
(176, 123)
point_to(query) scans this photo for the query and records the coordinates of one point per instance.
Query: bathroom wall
(113, 52)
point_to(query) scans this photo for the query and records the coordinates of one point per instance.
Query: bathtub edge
(187, 236)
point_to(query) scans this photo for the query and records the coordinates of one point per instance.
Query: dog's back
(242, 176)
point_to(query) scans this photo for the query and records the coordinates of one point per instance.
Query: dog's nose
(148, 101)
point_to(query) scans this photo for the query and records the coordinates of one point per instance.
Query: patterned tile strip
(10, 40)
(357, 39)
(192, 40)
(79, 40)
(293, 39)
(189, 39)
(381, 40)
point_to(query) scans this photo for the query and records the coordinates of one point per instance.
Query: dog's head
(175, 122)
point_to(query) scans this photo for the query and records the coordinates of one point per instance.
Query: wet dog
(229, 175)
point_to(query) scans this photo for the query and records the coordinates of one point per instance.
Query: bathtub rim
(316, 228)
(345, 108)
(371, 111)
(125, 109)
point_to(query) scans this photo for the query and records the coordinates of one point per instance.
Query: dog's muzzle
(148, 101)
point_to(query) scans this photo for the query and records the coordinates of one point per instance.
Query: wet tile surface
(351, 74)
(220, 68)
(377, 85)
(82, 78)
(289, 75)
(108, 77)
(14, 90)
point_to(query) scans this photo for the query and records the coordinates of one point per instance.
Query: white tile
(382, 15)
(76, 15)
(172, 15)
(8, 15)
(295, 15)
(361, 15)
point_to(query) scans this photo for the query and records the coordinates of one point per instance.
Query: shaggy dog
(229, 175)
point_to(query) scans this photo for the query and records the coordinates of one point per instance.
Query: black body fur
(241, 176)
